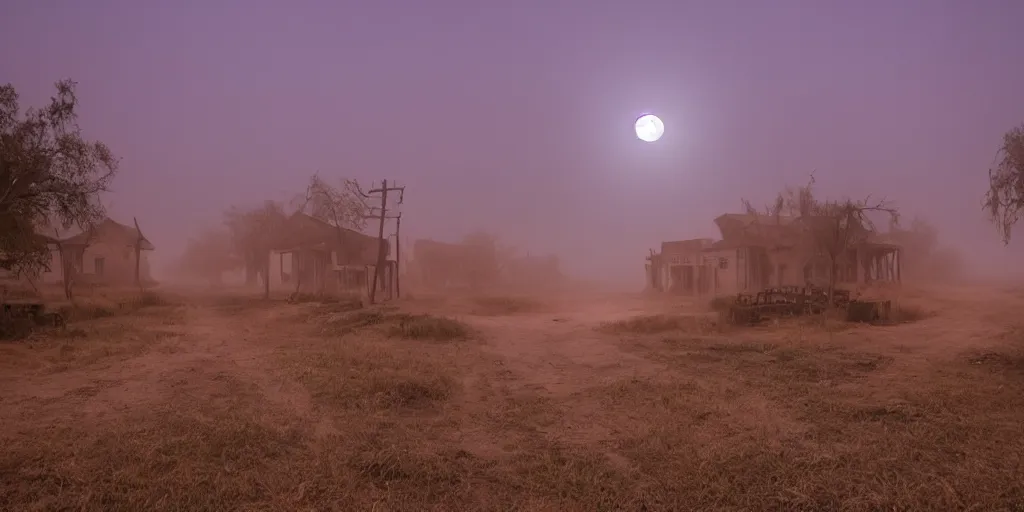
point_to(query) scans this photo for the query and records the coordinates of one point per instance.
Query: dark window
(99, 266)
(723, 263)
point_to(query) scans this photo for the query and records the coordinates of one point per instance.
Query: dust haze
(265, 258)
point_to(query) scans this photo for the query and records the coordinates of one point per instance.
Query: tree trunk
(266, 277)
(251, 269)
(833, 269)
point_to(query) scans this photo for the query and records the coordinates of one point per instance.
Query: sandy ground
(589, 403)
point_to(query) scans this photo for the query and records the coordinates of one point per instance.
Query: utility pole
(381, 256)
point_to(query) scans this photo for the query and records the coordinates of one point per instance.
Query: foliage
(209, 256)
(49, 175)
(827, 228)
(252, 233)
(1005, 197)
(342, 206)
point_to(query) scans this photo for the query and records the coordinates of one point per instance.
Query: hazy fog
(517, 118)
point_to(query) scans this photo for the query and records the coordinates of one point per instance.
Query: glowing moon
(649, 128)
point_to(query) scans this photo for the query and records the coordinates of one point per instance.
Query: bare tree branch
(48, 173)
(1004, 200)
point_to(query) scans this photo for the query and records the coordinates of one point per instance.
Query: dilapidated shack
(313, 256)
(756, 252)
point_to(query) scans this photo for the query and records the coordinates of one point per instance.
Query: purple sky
(518, 119)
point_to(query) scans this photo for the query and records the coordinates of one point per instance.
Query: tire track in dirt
(212, 358)
(245, 347)
(561, 353)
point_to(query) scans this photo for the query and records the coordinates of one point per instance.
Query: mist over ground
(531, 138)
(805, 295)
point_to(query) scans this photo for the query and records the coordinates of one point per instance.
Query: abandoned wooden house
(755, 253)
(313, 256)
(103, 254)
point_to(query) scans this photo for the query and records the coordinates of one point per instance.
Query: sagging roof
(111, 232)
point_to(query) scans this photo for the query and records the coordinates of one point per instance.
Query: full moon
(649, 128)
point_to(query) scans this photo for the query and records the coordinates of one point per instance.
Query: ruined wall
(113, 263)
(725, 263)
(684, 252)
(786, 268)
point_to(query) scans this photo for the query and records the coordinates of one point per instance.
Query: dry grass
(398, 325)
(251, 405)
(657, 324)
(495, 306)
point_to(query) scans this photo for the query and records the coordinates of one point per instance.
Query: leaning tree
(1005, 198)
(49, 176)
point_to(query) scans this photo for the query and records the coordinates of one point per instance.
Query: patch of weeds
(377, 390)
(410, 392)
(657, 324)
(210, 464)
(640, 392)
(909, 313)
(358, 376)
(352, 322)
(428, 327)
(887, 414)
(505, 305)
(997, 361)
(328, 302)
(233, 304)
(401, 325)
(68, 334)
(88, 311)
(722, 303)
(13, 329)
(826, 365)
(94, 309)
(739, 348)
(145, 300)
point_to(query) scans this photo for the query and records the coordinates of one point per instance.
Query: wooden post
(266, 275)
(138, 253)
(899, 264)
(398, 256)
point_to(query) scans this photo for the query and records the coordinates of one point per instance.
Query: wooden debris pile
(803, 300)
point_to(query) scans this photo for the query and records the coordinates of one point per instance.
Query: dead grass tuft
(686, 416)
(904, 313)
(428, 327)
(657, 324)
(497, 306)
(13, 329)
(399, 325)
(344, 302)
(92, 308)
(723, 303)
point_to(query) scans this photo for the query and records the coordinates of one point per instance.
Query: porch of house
(691, 279)
(314, 271)
(869, 263)
(879, 263)
(746, 269)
